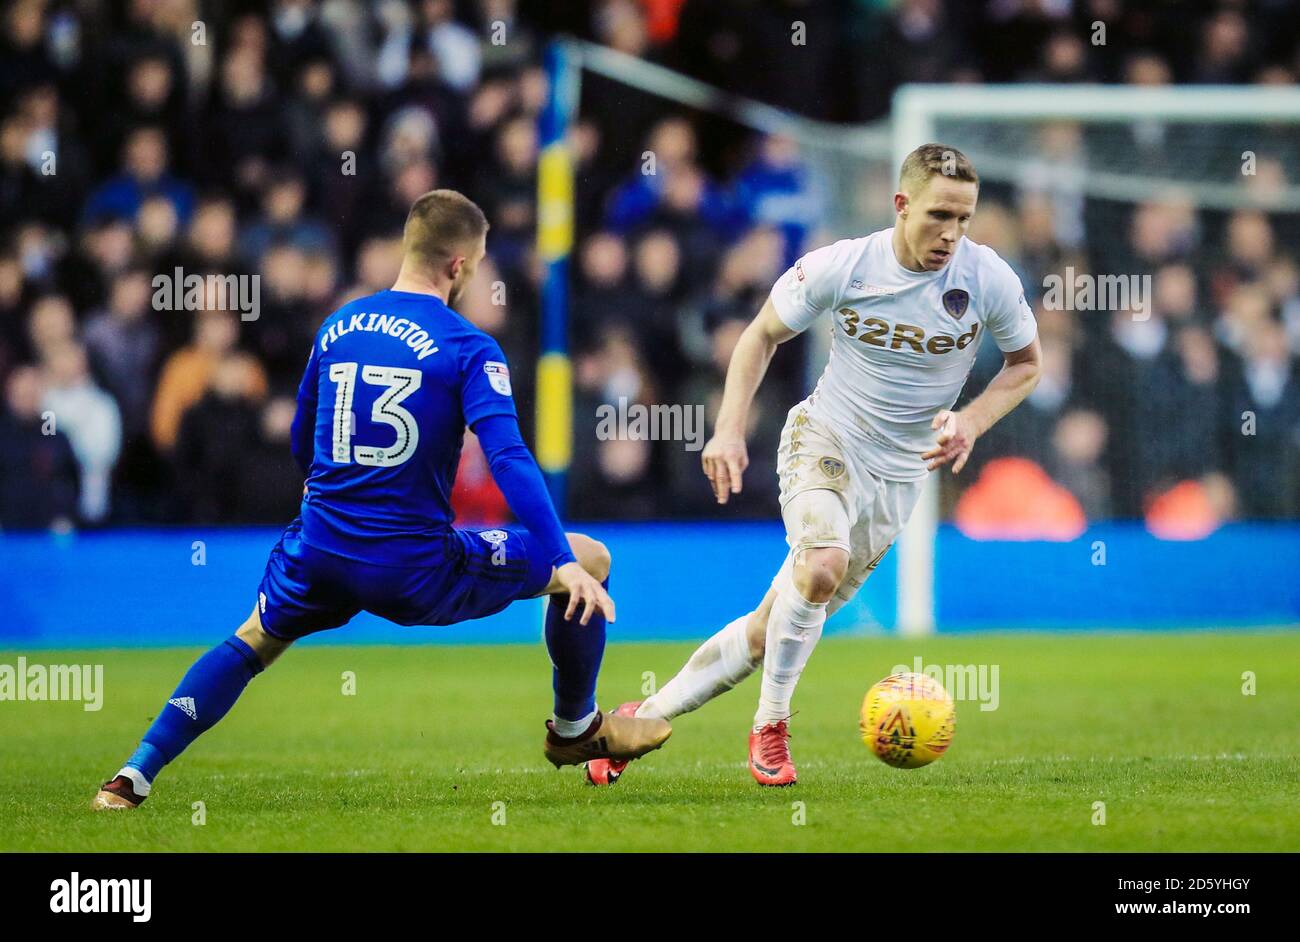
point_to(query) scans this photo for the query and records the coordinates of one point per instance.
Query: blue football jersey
(393, 380)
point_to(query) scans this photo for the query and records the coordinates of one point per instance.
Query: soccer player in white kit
(908, 306)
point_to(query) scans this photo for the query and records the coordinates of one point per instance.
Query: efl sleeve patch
(498, 375)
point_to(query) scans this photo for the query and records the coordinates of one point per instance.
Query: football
(908, 720)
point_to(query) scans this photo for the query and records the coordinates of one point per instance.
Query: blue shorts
(306, 589)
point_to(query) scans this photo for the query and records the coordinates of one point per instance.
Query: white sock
(716, 666)
(139, 784)
(793, 629)
(569, 729)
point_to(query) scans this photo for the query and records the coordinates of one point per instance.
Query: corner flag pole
(554, 246)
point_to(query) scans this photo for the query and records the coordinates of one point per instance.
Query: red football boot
(607, 771)
(769, 755)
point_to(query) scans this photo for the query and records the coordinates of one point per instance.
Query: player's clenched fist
(956, 438)
(584, 590)
(725, 459)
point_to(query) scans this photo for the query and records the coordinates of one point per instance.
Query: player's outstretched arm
(958, 430)
(725, 456)
(521, 482)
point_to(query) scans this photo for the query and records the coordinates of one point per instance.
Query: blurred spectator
(316, 85)
(614, 475)
(1079, 443)
(1250, 244)
(1175, 294)
(283, 220)
(215, 440)
(245, 123)
(1161, 231)
(387, 211)
(144, 173)
(920, 43)
(520, 45)
(744, 277)
(455, 47)
(211, 237)
(38, 472)
(624, 487)
(340, 172)
(22, 52)
(1284, 281)
(90, 419)
(1029, 429)
(779, 189)
(20, 184)
(509, 188)
(1189, 510)
(1014, 499)
(1249, 309)
(1125, 369)
(123, 344)
(1194, 403)
(52, 326)
(1225, 54)
(270, 481)
(602, 273)
(425, 94)
(297, 37)
(282, 333)
(669, 183)
(41, 250)
(188, 373)
(652, 301)
(1264, 413)
(14, 345)
(1065, 59)
(151, 97)
(378, 261)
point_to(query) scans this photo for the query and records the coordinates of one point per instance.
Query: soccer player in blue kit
(392, 382)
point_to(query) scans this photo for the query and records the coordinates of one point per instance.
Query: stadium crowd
(286, 140)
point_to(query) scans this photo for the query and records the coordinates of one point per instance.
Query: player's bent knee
(591, 554)
(819, 572)
(266, 646)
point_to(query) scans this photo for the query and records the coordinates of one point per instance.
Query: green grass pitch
(440, 749)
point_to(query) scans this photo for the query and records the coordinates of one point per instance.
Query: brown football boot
(610, 736)
(608, 771)
(117, 795)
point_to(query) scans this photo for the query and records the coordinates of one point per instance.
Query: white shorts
(829, 499)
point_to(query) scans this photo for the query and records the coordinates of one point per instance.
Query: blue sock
(576, 650)
(205, 694)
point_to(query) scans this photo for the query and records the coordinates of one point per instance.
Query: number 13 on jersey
(398, 384)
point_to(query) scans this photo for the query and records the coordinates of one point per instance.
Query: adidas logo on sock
(185, 705)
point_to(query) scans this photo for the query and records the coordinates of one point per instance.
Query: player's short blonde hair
(934, 160)
(441, 224)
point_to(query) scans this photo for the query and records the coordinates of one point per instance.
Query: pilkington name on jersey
(404, 329)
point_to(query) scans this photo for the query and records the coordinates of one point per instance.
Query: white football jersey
(902, 342)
